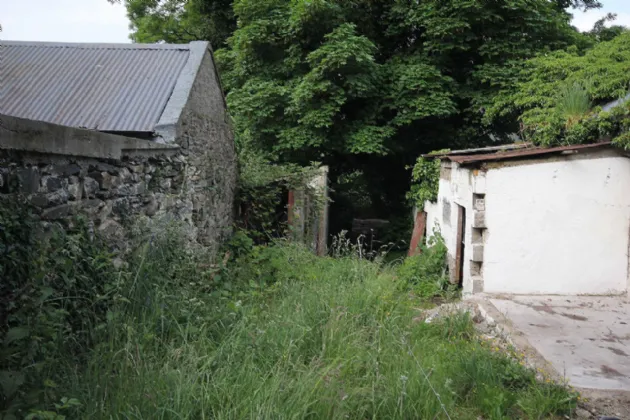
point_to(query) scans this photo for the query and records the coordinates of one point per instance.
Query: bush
(426, 273)
(263, 192)
(55, 292)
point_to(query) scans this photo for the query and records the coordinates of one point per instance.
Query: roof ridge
(95, 45)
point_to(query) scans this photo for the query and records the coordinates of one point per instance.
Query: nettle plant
(55, 292)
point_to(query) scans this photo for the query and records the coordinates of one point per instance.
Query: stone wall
(136, 178)
(109, 193)
(204, 134)
(187, 171)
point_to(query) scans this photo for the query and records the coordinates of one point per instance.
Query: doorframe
(460, 245)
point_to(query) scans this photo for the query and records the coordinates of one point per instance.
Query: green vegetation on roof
(560, 94)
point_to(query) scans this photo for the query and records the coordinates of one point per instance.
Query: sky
(63, 21)
(99, 21)
(584, 21)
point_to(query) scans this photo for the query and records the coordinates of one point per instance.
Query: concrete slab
(585, 338)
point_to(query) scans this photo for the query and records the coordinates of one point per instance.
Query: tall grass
(573, 101)
(324, 339)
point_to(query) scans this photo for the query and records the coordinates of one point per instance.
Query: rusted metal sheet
(478, 150)
(514, 151)
(105, 87)
(531, 152)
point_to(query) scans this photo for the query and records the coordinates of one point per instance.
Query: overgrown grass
(332, 338)
(281, 334)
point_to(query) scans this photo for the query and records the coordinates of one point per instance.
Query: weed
(425, 274)
(274, 333)
(573, 102)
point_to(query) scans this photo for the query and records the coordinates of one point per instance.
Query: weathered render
(183, 168)
(557, 223)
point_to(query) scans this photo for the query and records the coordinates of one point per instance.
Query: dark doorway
(461, 245)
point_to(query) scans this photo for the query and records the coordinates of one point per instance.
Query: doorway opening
(461, 245)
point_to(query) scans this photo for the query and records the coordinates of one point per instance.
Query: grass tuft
(574, 101)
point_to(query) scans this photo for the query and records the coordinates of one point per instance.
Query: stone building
(115, 131)
(519, 219)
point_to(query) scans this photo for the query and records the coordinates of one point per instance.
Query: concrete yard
(585, 339)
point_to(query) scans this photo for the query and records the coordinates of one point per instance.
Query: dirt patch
(618, 352)
(597, 404)
(543, 308)
(549, 310)
(612, 338)
(574, 317)
(610, 372)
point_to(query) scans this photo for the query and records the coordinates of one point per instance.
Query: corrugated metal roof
(511, 151)
(105, 87)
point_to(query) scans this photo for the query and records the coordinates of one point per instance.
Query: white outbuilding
(520, 219)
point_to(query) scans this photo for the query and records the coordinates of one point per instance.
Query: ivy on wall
(425, 179)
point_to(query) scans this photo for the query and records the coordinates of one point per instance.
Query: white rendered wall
(558, 227)
(442, 215)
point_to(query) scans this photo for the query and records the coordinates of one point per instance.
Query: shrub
(55, 292)
(425, 273)
(263, 192)
(573, 101)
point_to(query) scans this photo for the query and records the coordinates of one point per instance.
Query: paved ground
(586, 339)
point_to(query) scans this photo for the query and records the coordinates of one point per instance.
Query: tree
(181, 21)
(365, 86)
(601, 32)
(368, 85)
(559, 95)
(578, 4)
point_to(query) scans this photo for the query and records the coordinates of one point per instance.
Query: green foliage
(601, 32)
(262, 194)
(426, 273)
(425, 180)
(557, 89)
(55, 291)
(181, 21)
(365, 85)
(368, 86)
(573, 101)
(330, 338)
(330, 76)
(275, 332)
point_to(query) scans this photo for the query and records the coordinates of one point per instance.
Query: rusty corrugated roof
(480, 150)
(105, 87)
(511, 151)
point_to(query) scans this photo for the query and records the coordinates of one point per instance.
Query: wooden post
(419, 226)
(291, 208)
(322, 231)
